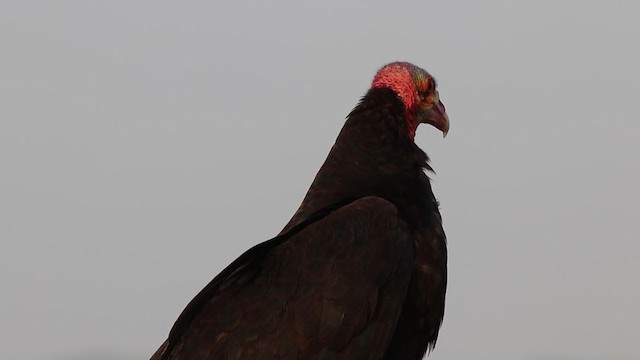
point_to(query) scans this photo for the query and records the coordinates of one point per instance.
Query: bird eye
(431, 86)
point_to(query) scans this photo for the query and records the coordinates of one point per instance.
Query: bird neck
(373, 156)
(390, 88)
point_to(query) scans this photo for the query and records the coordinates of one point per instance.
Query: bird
(360, 270)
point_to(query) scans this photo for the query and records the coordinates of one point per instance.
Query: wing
(333, 290)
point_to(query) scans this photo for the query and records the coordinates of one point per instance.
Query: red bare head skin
(416, 88)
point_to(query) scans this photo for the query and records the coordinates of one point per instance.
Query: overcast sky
(144, 145)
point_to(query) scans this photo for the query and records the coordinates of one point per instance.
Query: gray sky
(146, 145)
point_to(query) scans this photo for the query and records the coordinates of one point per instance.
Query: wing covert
(333, 290)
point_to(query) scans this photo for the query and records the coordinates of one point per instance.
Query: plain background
(146, 144)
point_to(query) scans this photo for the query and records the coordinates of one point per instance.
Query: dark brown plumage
(360, 270)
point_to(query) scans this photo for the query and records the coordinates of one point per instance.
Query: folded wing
(332, 290)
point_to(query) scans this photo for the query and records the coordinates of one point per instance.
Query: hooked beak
(444, 119)
(436, 115)
(433, 112)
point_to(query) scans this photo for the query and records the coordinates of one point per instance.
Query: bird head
(417, 90)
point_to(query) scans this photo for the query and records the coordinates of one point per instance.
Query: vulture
(360, 270)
